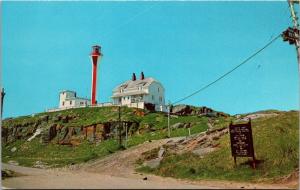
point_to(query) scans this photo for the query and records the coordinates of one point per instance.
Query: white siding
(156, 95)
(155, 90)
(69, 99)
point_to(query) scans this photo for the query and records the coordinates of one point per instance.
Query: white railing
(105, 104)
(140, 105)
(136, 105)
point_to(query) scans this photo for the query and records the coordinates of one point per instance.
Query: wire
(107, 35)
(227, 73)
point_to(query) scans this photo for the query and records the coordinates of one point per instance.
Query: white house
(68, 99)
(143, 93)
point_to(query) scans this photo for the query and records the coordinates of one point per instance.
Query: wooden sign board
(241, 141)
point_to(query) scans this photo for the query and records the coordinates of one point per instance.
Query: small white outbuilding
(68, 99)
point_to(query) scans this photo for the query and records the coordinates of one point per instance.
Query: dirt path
(113, 172)
(42, 179)
(122, 163)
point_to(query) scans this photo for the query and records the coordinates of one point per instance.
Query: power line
(132, 18)
(227, 73)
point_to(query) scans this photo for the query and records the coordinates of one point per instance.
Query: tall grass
(276, 145)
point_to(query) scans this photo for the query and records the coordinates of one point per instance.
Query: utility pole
(2, 100)
(119, 126)
(169, 130)
(292, 33)
(126, 134)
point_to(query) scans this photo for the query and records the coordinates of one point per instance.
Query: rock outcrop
(57, 128)
(199, 111)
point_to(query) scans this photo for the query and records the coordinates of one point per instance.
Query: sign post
(241, 141)
(2, 98)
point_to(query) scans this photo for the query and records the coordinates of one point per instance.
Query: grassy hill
(276, 145)
(150, 126)
(276, 142)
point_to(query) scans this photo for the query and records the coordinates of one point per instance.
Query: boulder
(57, 117)
(146, 128)
(5, 173)
(40, 164)
(65, 119)
(12, 162)
(44, 118)
(48, 133)
(202, 151)
(161, 152)
(187, 125)
(13, 149)
(177, 125)
(154, 163)
(68, 137)
(181, 110)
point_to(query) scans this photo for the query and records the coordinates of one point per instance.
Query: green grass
(56, 155)
(153, 126)
(161, 134)
(276, 144)
(83, 116)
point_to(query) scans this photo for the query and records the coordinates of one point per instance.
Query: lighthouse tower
(95, 55)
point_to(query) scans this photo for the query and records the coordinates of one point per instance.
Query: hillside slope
(276, 145)
(77, 135)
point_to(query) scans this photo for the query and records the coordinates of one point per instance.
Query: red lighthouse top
(96, 51)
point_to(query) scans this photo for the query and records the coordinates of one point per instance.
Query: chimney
(142, 76)
(133, 77)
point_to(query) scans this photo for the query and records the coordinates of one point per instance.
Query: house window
(120, 99)
(152, 97)
(127, 97)
(70, 102)
(63, 103)
(160, 99)
(158, 89)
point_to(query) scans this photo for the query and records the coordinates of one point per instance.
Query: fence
(105, 104)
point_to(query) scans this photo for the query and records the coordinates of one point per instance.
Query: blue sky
(185, 45)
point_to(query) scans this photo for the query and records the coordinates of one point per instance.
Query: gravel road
(113, 172)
